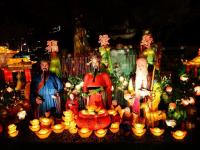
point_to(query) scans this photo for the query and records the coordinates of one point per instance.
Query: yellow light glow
(43, 133)
(12, 127)
(13, 134)
(58, 128)
(139, 131)
(84, 132)
(34, 128)
(139, 125)
(35, 122)
(179, 135)
(100, 133)
(73, 130)
(157, 131)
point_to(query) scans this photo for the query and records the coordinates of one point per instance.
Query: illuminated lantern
(102, 111)
(12, 130)
(100, 133)
(34, 128)
(73, 130)
(34, 125)
(84, 112)
(157, 131)
(58, 128)
(112, 112)
(114, 128)
(84, 132)
(45, 122)
(168, 89)
(138, 129)
(72, 124)
(43, 133)
(138, 125)
(66, 124)
(138, 132)
(179, 135)
(197, 90)
(35, 122)
(67, 113)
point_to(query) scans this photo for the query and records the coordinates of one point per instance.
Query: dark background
(173, 22)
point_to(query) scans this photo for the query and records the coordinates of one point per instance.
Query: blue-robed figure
(45, 92)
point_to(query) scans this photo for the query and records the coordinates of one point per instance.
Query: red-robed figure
(72, 104)
(98, 86)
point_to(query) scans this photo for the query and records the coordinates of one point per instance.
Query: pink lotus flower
(103, 40)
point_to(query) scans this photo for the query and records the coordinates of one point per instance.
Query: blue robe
(52, 85)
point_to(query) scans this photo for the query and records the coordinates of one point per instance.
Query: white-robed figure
(141, 74)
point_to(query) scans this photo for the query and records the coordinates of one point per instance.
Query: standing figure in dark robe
(45, 92)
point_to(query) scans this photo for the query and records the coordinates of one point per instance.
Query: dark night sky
(171, 21)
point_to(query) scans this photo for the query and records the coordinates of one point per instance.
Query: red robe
(73, 107)
(101, 80)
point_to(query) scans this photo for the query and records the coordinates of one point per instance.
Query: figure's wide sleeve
(59, 85)
(108, 87)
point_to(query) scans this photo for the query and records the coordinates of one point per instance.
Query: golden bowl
(84, 132)
(68, 113)
(138, 125)
(139, 131)
(102, 111)
(157, 131)
(114, 128)
(35, 122)
(58, 128)
(112, 112)
(43, 133)
(100, 133)
(84, 112)
(73, 130)
(13, 134)
(12, 127)
(179, 135)
(34, 128)
(45, 121)
(64, 118)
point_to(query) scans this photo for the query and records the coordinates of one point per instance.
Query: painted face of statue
(95, 62)
(44, 66)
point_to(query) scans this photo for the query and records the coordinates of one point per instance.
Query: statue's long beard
(45, 75)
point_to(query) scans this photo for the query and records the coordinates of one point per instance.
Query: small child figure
(72, 104)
